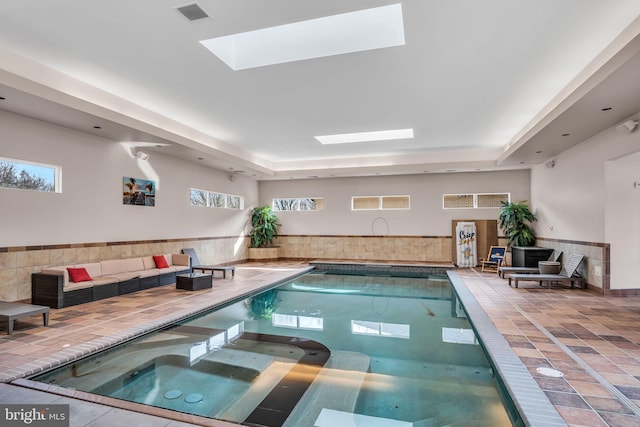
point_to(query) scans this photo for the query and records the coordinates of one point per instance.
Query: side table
(10, 311)
(194, 281)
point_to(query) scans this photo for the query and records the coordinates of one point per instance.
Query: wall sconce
(627, 126)
(139, 154)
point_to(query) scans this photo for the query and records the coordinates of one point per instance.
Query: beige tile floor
(593, 340)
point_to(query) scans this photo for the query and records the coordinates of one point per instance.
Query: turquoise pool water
(320, 350)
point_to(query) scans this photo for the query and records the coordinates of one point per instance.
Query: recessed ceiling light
(382, 135)
(357, 31)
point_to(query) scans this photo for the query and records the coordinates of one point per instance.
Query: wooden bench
(10, 311)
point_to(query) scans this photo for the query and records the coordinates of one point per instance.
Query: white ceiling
(485, 85)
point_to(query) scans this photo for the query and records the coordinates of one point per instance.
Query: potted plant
(515, 220)
(263, 229)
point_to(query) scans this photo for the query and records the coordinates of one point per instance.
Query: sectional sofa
(68, 285)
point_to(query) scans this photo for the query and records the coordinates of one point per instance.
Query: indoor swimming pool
(319, 350)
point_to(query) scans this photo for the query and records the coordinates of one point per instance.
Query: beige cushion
(112, 267)
(58, 271)
(181, 260)
(105, 280)
(80, 285)
(149, 272)
(127, 275)
(148, 262)
(134, 264)
(93, 269)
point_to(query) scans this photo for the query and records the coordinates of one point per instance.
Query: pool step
(461, 420)
(337, 387)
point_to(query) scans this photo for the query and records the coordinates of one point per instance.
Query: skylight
(382, 135)
(357, 31)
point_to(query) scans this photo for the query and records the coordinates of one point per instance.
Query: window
(233, 202)
(474, 201)
(491, 200)
(218, 200)
(214, 199)
(199, 197)
(24, 175)
(380, 202)
(298, 204)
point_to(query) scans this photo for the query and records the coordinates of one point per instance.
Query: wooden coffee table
(10, 311)
(194, 281)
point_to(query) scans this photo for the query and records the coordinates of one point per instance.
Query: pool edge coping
(532, 403)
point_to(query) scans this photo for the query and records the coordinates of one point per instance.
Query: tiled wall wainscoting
(17, 263)
(595, 267)
(435, 249)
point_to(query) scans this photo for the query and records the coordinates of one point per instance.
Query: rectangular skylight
(382, 135)
(357, 31)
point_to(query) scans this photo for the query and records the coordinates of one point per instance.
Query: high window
(25, 175)
(213, 199)
(380, 202)
(474, 201)
(298, 204)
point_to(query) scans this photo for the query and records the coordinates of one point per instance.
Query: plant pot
(549, 267)
(264, 254)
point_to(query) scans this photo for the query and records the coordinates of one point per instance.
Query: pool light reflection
(329, 290)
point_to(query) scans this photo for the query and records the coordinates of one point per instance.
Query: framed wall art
(139, 192)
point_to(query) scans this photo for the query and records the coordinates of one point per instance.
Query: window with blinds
(474, 200)
(380, 202)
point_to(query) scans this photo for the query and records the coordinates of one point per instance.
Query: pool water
(320, 350)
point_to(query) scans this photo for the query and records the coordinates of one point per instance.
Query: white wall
(90, 208)
(622, 226)
(588, 196)
(425, 218)
(570, 198)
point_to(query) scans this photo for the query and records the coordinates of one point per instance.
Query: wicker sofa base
(104, 291)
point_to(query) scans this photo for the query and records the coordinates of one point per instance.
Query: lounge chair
(195, 264)
(502, 270)
(568, 274)
(494, 259)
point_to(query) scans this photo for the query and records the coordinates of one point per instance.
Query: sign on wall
(466, 244)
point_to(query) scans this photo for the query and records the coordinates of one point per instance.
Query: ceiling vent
(192, 12)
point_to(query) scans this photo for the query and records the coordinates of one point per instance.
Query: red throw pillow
(161, 261)
(79, 275)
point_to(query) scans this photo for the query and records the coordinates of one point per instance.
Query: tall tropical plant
(264, 227)
(515, 220)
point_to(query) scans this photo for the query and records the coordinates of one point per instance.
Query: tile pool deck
(593, 340)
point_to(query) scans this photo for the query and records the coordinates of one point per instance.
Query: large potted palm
(263, 229)
(515, 220)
